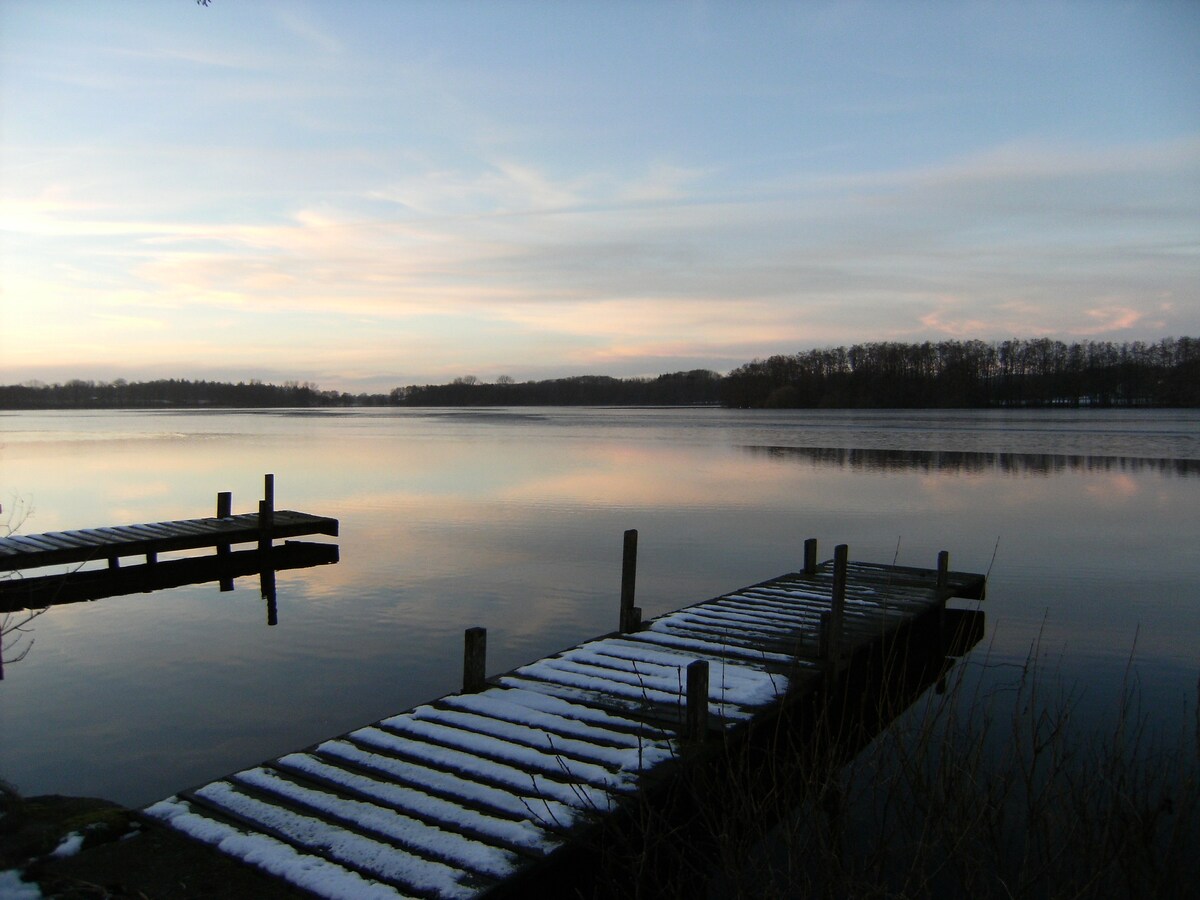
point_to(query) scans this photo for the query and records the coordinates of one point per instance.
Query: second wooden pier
(111, 544)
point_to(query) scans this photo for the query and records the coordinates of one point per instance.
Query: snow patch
(13, 888)
(69, 845)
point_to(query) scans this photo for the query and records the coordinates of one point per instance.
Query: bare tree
(15, 640)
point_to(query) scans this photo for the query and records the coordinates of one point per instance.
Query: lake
(1085, 520)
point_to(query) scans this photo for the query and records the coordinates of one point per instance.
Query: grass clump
(988, 787)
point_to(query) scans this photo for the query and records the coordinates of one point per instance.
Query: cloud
(624, 269)
(1111, 319)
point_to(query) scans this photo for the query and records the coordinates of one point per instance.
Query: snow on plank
(313, 874)
(728, 681)
(519, 834)
(661, 634)
(444, 844)
(535, 785)
(631, 688)
(567, 719)
(517, 799)
(628, 759)
(422, 725)
(368, 857)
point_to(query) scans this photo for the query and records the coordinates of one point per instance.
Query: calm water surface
(512, 519)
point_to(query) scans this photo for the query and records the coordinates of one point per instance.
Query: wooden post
(269, 490)
(630, 614)
(151, 557)
(475, 660)
(943, 594)
(114, 562)
(810, 556)
(837, 612)
(696, 726)
(266, 518)
(224, 511)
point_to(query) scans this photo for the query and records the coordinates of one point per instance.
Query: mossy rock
(33, 827)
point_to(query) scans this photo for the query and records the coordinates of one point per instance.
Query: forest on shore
(947, 374)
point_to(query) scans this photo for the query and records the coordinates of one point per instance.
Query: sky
(365, 195)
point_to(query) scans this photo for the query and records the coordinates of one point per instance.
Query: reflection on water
(513, 520)
(24, 599)
(956, 461)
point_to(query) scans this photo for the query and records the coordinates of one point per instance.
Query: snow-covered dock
(468, 794)
(33, 551)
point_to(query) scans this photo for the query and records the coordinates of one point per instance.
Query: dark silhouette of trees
(176, 392)
(963, 374)
(973, 374)
(697, 387)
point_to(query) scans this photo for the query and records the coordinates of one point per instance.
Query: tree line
(697, 387)
(973, 374)
(175, 392)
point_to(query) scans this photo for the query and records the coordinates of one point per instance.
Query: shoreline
(87, 847)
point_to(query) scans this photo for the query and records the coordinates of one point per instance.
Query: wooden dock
(24, 552)
(475, 793)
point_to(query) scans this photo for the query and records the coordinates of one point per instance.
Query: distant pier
(148, 540)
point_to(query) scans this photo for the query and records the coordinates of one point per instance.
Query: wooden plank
(506, 832)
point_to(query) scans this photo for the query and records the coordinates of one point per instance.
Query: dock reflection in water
(40, 592)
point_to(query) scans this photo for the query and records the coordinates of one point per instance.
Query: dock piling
(224, 511)
(265, 518)
(630, 615)
(266, 513)
(697, 701)
(810, 556)
(942, 591)
(943, 574)
(837, 612)
(474, 660)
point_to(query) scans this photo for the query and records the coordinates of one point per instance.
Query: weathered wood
(810, 556)
(224, 504)
(25, 552)
(475, 660)
(516, 768)
(265, 523)
(630, 615)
